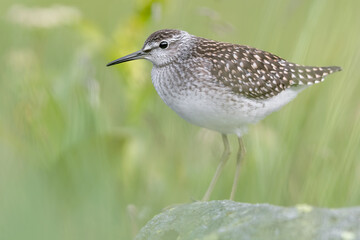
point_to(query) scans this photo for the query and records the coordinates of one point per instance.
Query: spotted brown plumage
(255, 73)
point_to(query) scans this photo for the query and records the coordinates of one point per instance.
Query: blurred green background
(89, 152)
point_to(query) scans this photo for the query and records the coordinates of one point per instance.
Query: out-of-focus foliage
(92, 152)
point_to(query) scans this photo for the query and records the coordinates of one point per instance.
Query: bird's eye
(164, 44)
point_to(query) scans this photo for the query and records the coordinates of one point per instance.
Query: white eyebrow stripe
(147, 48)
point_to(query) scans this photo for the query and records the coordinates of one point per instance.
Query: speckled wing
(255, 73)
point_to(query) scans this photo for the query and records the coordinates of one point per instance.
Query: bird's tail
(305, 75)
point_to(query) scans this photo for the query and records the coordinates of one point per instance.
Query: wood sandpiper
(222, 86)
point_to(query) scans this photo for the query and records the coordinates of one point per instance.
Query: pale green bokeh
(82, 145)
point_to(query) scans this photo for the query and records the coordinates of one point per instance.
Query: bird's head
(161, 48)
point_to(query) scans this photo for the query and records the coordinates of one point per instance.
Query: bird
(222, 86)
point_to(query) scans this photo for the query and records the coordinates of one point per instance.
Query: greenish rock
(218, 220)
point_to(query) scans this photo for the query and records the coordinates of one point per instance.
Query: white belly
(220, 109)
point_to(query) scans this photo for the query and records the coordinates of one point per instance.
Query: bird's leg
(224, 158)
(239, 157)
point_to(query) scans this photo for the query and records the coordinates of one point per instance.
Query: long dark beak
(133, 56)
